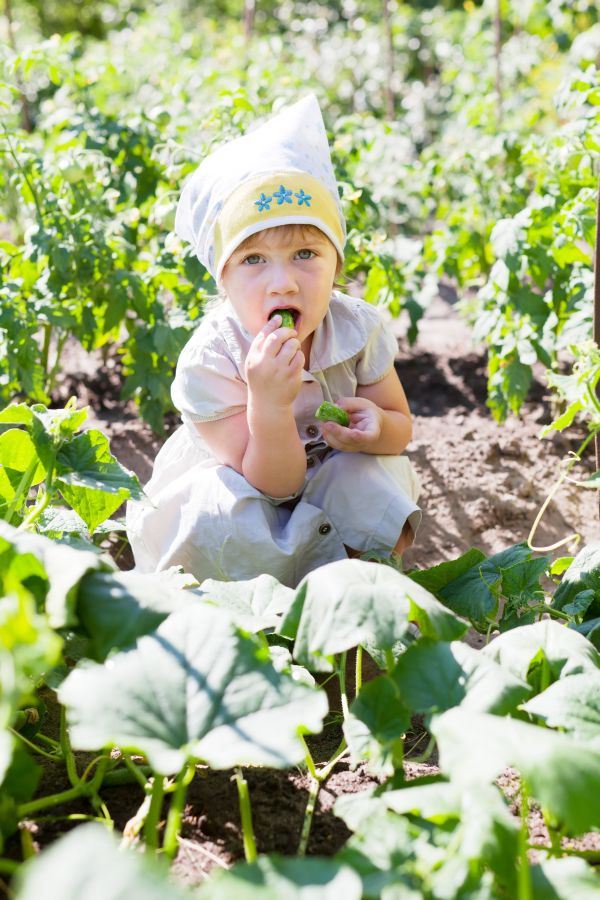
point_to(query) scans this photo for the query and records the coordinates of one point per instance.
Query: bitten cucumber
(329, 412)
(287, 318)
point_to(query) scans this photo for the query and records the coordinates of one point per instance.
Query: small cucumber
(328, 412)
(287, 318)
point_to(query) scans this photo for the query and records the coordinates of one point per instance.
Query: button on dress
(204, 516)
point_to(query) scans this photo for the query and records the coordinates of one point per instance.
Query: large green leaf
(572, 703)
(438, 577)
(91, 480)
(434, 676)
(376, 725)
(543, 652)
(453, 834)
(562, 774)
(513, 574)
(488, 832)
(87, 864)
(583, 574)
(351, 602)
(116, 608)
(277, 878)
(64, 566)
(255, 604)
(196, 688)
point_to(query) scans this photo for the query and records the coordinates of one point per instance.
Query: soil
(482, 485)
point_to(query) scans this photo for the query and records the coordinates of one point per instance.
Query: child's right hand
(274, 364)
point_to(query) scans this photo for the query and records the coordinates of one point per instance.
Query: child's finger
(288, 349)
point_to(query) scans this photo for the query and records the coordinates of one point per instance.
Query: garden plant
(467, 689)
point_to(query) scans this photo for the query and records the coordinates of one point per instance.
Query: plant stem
(46, 347)
(524, 891)
(342, 681)
(53, 756)
(324, 773)
(246, 816)
(51, 377)
(138, 772)
(426, 753)
(22, 490)
(543, 608)
(8, 866)
(153, 817)
(358, 675)
(27, 848)
(313, 793)
(173, 826)
(25, 809)
(48, 740)
(390, 662)
(66, 749)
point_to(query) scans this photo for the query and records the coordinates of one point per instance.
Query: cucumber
(287, 318)
(329, 412)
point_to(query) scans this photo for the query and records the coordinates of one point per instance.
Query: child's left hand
(366, 419)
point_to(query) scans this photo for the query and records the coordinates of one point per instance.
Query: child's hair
(288, 232)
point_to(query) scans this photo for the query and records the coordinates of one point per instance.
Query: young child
(252, 482)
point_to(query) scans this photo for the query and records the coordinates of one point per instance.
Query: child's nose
(282, 280)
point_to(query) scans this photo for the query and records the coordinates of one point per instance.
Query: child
(252, 482)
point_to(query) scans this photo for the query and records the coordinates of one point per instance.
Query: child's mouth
(290, 311)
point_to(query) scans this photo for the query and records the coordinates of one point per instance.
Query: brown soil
(482, 486)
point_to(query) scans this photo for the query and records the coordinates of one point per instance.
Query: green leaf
(87, 863)
(572, 704)
(91, 480)
(254, 605)
(64, 566)
(375, 728)
(6, 752)
(432, 677)
(583, 574)
(565, 879)
(561, 650)
(196, 688)
(350, 602)
(438, 577)
(17, 453)
(512, 573)
(561, 774)
(275, 877)
(116, 608)
(488, 832)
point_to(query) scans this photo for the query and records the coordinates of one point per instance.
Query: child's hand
(366, 420)
(274, 364)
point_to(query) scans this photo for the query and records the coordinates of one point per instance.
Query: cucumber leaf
(351, 602)
(434, 676)
(197, 688)
(561, 773)
(275, 877)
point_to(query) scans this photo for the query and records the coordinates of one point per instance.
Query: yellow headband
(284, 198)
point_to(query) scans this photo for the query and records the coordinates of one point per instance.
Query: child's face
(286, 267)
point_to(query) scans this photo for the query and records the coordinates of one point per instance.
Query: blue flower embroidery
(283, 195)
(303, 198)
(263, 202)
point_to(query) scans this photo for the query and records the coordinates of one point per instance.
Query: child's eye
(305, 253)
(252, 259)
